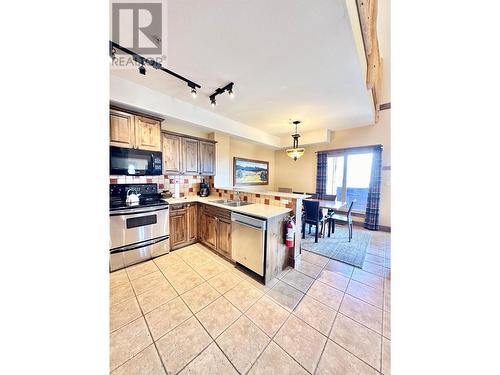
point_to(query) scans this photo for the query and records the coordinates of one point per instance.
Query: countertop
(263, 211)
(273, 193)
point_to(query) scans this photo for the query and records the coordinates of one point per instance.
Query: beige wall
(253, 151)
(300, 175)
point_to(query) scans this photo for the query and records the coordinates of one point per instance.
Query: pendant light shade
(295, 152)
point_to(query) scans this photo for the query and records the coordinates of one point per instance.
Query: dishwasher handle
(249, 221)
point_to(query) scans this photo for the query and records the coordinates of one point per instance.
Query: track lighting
(228, 88)
(155, 64)
(193, 93)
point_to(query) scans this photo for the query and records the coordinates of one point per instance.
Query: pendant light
(295, 152)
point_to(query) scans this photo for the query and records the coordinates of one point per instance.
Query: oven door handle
(127, 212)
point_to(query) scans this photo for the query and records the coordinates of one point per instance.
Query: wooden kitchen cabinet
(192, 222)
(121, 129)
(187, 155)
(171, 150)
(178, 227)
(147, 134)
(223, 245)
(190, 157)
(207, 158)
(131, 130)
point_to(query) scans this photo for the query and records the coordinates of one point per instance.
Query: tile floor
(192, 312)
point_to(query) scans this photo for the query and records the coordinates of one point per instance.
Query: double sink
(231, 203)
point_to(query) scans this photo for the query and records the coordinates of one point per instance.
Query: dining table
(330, 205)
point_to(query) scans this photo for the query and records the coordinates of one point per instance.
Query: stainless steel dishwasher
(249, 241)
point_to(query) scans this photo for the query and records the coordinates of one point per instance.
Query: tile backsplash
(189, 185)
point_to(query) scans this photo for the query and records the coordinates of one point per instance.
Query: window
(348, 177)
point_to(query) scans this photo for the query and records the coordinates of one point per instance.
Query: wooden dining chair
(313, 216)
(343, 218)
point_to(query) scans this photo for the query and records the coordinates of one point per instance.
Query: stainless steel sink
(231, 203)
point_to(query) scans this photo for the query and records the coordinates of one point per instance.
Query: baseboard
(382, 228)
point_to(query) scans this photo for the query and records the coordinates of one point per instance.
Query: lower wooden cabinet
(215, 229)
(183, 225)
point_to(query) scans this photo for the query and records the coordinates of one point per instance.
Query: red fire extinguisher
(290, 232)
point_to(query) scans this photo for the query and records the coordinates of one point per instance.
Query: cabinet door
(207, 158)
(224, 237)
(171, 150)
(121, 129)
(210, 231)
(147, 134)
(178, 228)
(190, 160)
(192, 222)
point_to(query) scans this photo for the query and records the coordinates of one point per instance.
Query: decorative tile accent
(266, 201)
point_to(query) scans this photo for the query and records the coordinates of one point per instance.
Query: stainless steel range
(138, 231)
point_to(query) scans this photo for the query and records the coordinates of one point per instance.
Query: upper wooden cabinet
(134, 131)
(171, 150)
(121, 129)
(147, 134)
(190, 156)
(207, 158)
(187, 155)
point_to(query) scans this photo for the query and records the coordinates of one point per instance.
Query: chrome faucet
(237, 193)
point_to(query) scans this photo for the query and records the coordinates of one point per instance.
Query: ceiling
(288, 59)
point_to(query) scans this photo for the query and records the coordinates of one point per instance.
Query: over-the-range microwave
(132, 162)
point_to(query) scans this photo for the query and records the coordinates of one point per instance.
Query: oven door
(129, 162)
(134, 226)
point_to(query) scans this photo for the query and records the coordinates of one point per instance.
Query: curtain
(321, 175)
(373, 201)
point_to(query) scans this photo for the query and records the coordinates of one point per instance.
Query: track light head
(213, 102)
(193, 93)
(142, 70)
(230, 91)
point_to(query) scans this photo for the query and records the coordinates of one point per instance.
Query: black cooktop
(149, 196)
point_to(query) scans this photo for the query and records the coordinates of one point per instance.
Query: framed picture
(250, 172)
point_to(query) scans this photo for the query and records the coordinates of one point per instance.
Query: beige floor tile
(267, 315)
(298, 280)
(376, 250)
(309, 269)
(315, 314)
(326, 294)
(334, 279)
(386, 356)
(225, 281)
(120, 293)
(339, 267)
(366, 293)
(336, 360)
(168, 260)
(368, 278)
(123, 313)
(258, 284)
(359, 340)
(209, 269)
(178, 347)
(374, 268)
(127, 341)
(146, 362)
(200, 296)
(188, 252)
(275, 360)
(362, 312)
(285, 295)
(149, 281)
(302, 342)
(217, 316)
(375, 259)
(155, 297)
(176, 270)
(118, 278)
(210, 361)
(186, 280)
(386, 329)
(166, 317)
(242, 343)
(141, 269)
(197, 260)
(315, 259)
(243, 295)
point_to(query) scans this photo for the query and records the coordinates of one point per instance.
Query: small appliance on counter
(204, 189)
